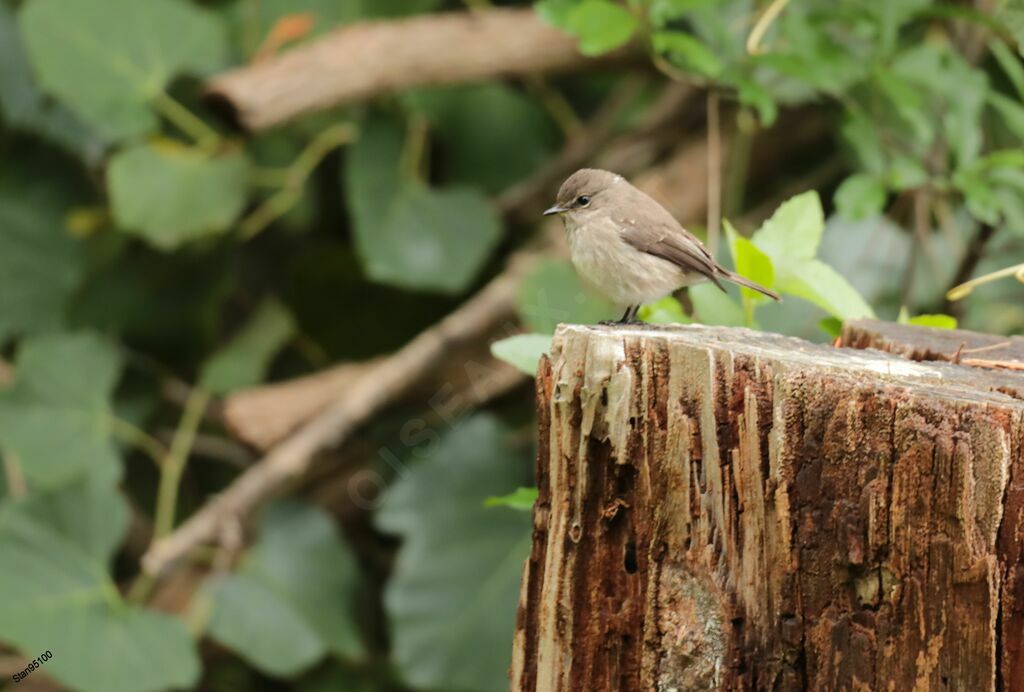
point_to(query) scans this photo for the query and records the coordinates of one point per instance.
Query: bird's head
(585, 193)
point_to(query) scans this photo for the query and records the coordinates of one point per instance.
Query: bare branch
(361, 61)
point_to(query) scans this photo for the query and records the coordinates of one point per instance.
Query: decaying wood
(725, 509)
(361, 61)
(1002, 354)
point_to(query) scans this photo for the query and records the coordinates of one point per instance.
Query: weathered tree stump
(725, 509)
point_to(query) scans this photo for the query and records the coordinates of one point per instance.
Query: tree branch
(361, 61)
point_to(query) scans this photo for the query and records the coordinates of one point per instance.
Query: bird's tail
(744, 281)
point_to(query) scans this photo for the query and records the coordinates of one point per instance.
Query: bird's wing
(662, 236)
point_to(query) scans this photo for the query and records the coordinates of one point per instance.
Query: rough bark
(724, 509)
(361, 61)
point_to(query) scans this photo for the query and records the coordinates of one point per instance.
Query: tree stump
(726, 509)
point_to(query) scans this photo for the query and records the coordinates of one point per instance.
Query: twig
(973, 255)
(763, 23)
(714, 170)
(963, 290)
(174, 464)
(138, 438)
(995, 364)
(186, 121)
(295, 179)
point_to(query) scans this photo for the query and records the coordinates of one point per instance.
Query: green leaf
(601, 26)
(1011, 112)
(249, 618)
(662, 12)
(688, 52)
(250, 22)
(53, 597)
(293, 600)
(108, 59)
(935, 321)
(755, 96)
(451, 600)
(825, 287)
(860, 196)
(244, 360)
(667, 310)
(555, 12)
(431, 240)
(465, 119)
(831, 326)
(522, 350)
(41, 265)
(56, 417)
(521, 499)
(712, 306)
(170, 195)
(372, 181)
(90, 513)
(1010, 63)
(751, 263)
(793, 232)
(23, 106)
(552, 294)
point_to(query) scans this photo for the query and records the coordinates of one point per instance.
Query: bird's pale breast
(616, 269)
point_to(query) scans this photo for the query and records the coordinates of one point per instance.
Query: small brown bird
(630, 248)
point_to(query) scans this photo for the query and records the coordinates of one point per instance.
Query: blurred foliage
(152, 259)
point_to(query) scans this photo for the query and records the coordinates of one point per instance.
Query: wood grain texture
(725, 509)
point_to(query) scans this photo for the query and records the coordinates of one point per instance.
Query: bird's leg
(628, 317)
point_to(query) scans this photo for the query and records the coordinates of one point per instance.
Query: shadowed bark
(724, 509)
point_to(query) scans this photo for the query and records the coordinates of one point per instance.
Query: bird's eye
(583, 200)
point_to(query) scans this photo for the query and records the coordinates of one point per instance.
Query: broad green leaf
(667, 310)
(934, 321)
(249, 618)
(905, 173)
(244, 360)
(522, 350)
(55, 419)
(41, 265)
(552, 294)
(90, 513)
(108, 59)
(757, 97)
(687, 52)
(862, 135)
(520, 498)
(711, 306)
(170, 195)
(465, 119)
(431, 240)
(793, 232)
(451, 600)
(822, 285)
(601, 26)
(293, 600)
(860, 196)
(372, 180)
(54, 597)
(23, 106)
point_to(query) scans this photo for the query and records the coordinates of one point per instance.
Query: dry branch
(361, 61)
(725, 509)
(366, 395)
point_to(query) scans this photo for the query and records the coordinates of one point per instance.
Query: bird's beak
(554, 210)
